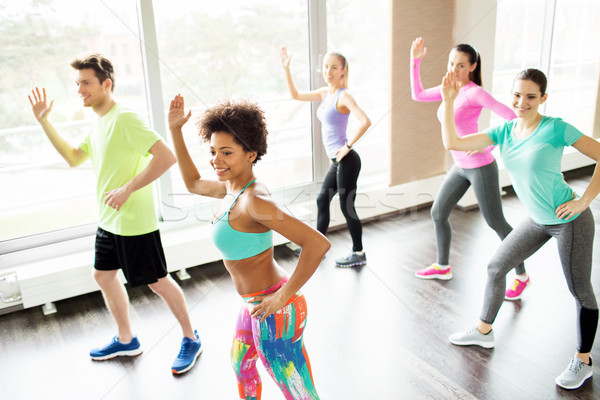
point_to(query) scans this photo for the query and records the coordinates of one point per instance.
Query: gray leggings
(575, 244)
(487, 190)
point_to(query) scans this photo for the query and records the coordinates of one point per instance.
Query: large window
(560, 37)
(230, 49)
(39, 41)
(359, 30)
(207, 51)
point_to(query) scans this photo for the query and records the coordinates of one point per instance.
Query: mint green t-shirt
(534, 165)
(119, 149)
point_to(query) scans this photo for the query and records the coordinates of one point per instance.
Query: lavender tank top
(334, 124)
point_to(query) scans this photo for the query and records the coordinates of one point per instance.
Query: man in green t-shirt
(127, 157)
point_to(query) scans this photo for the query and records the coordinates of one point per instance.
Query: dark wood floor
(373, 333)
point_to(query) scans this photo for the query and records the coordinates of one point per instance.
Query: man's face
(92, 92)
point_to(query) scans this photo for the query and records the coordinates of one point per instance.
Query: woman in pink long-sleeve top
(478, 169)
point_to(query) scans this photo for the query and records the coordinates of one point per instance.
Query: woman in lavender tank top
(342, 175)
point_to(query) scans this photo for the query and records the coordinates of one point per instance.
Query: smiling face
(527, 98)
(93, 93)
(228, 158)
(458, 62)
(333, 69)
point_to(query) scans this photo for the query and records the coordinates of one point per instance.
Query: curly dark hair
(103, 68)
(242, 119)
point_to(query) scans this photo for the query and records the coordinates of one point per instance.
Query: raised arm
(191, 177)
(417, 52)
(162, 160)
(484, 99)
(74, 156)
(451, 139)
(314, 246)
(314, 95)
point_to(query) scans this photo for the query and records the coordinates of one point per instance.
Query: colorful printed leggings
(279, 344)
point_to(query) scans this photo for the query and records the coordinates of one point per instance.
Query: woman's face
(228, 158)
(458, 62)
(526, 98)
(333, 71)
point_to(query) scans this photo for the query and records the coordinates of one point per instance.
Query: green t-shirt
(534, 165)
(119, 149)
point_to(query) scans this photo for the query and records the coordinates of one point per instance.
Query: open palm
(285, 57)
(39, 104)
(177, 116)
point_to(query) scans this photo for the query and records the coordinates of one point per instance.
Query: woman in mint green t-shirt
(531, 148)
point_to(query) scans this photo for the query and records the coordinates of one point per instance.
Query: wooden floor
(375, 332)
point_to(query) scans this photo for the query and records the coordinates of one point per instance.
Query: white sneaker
(471, 337)
(575, 375)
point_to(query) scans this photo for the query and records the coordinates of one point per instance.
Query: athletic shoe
(189, 352)
(434, 272)
(116, 348)
(516, 290)
(352, 260)
(471, 337)
(575, 375)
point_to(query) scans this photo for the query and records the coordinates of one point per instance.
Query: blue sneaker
(189, 352)
(116, 348)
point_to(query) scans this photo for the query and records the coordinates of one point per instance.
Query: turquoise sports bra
(237, 245)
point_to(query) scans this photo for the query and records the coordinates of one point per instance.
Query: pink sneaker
(516, 290)
(434, 272)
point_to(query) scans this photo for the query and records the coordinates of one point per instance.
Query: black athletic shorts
(141, 257)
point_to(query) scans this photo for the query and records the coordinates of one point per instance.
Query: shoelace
(185, 348)
(575, 365)
(473, 330)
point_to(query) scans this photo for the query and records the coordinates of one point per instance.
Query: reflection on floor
(374, 332)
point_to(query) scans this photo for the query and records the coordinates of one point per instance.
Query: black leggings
(341, 178)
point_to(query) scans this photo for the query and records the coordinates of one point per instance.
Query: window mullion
(153, 85)
(317, 39)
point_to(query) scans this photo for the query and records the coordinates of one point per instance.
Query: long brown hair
(474, 57)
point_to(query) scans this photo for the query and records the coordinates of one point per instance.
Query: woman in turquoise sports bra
(272, 319)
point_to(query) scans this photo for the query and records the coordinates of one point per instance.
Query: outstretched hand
(177, 116)
(418, 49)
(39, 104)
(285, 57)
(450, 86)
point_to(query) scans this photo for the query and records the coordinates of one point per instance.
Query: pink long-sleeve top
(471, 99)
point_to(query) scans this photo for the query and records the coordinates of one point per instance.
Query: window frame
(170, 217)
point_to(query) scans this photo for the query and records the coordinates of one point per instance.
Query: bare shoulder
(258, 196)
(322, 91)
(346, 97)
(258, 189)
